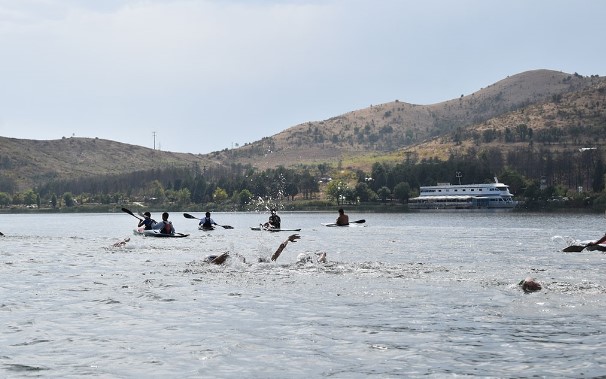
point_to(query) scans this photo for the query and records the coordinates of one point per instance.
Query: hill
(29, 163)
(380, 130)
(554, 109)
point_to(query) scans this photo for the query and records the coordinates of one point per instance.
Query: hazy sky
(207, 75)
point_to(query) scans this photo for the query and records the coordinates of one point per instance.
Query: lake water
(409, 295)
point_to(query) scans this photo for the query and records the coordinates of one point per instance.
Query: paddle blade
(187, 215)
(574, 248)
(359, 222)
(227, 226)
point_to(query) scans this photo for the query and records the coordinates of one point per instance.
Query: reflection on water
(407, 295)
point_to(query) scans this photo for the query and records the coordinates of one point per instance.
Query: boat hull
(259, 228)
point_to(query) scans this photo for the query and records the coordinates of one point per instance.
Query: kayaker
(343, 219)
(207, 222)
(274, 221)
(147, 221)
(165, 227)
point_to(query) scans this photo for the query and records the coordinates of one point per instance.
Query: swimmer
(217, 259)
(121, 243)
(530, 285)
(306, 258)
(220, 259)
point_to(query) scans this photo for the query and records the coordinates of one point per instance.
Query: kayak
(273, 230)
(332, 224)
(359, 223)
(156, 233)
(206, 229)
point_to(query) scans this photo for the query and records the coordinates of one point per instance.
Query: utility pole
(154, 133)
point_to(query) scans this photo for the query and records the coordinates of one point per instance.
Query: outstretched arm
(601, 240)
(291, 238)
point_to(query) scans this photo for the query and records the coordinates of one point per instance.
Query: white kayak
(358, 223)
(260, 228)
(157, 233)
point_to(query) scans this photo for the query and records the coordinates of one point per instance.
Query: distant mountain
(546, 102)
(387, 128)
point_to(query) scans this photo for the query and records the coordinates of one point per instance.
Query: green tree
(402, 192)
(219, 195)
(244, 197)
(183, 196)
(156, 190)
(291, 190)
(29, 197)
(335, 190)
(68, 199)
(5, 199)
(384, 193)
(18, 198)
(364, 193)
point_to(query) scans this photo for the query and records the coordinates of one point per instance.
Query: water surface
(409, 295)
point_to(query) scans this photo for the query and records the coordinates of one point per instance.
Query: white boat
(464, 196)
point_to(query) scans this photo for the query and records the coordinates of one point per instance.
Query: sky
(196, 76)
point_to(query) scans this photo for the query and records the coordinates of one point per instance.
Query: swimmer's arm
(291, 238)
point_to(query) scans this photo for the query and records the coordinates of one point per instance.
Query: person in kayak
(207, 222)
(165, 226)
(274, 221)
(343, 219)
(147, 221)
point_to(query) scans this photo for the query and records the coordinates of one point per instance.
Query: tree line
(535, 176)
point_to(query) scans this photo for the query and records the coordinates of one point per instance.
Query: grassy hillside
(560, 111)
(386, 128)
(28, 163)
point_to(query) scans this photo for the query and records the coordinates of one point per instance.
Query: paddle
(187, 215)
(574, 248)
(131, 213)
